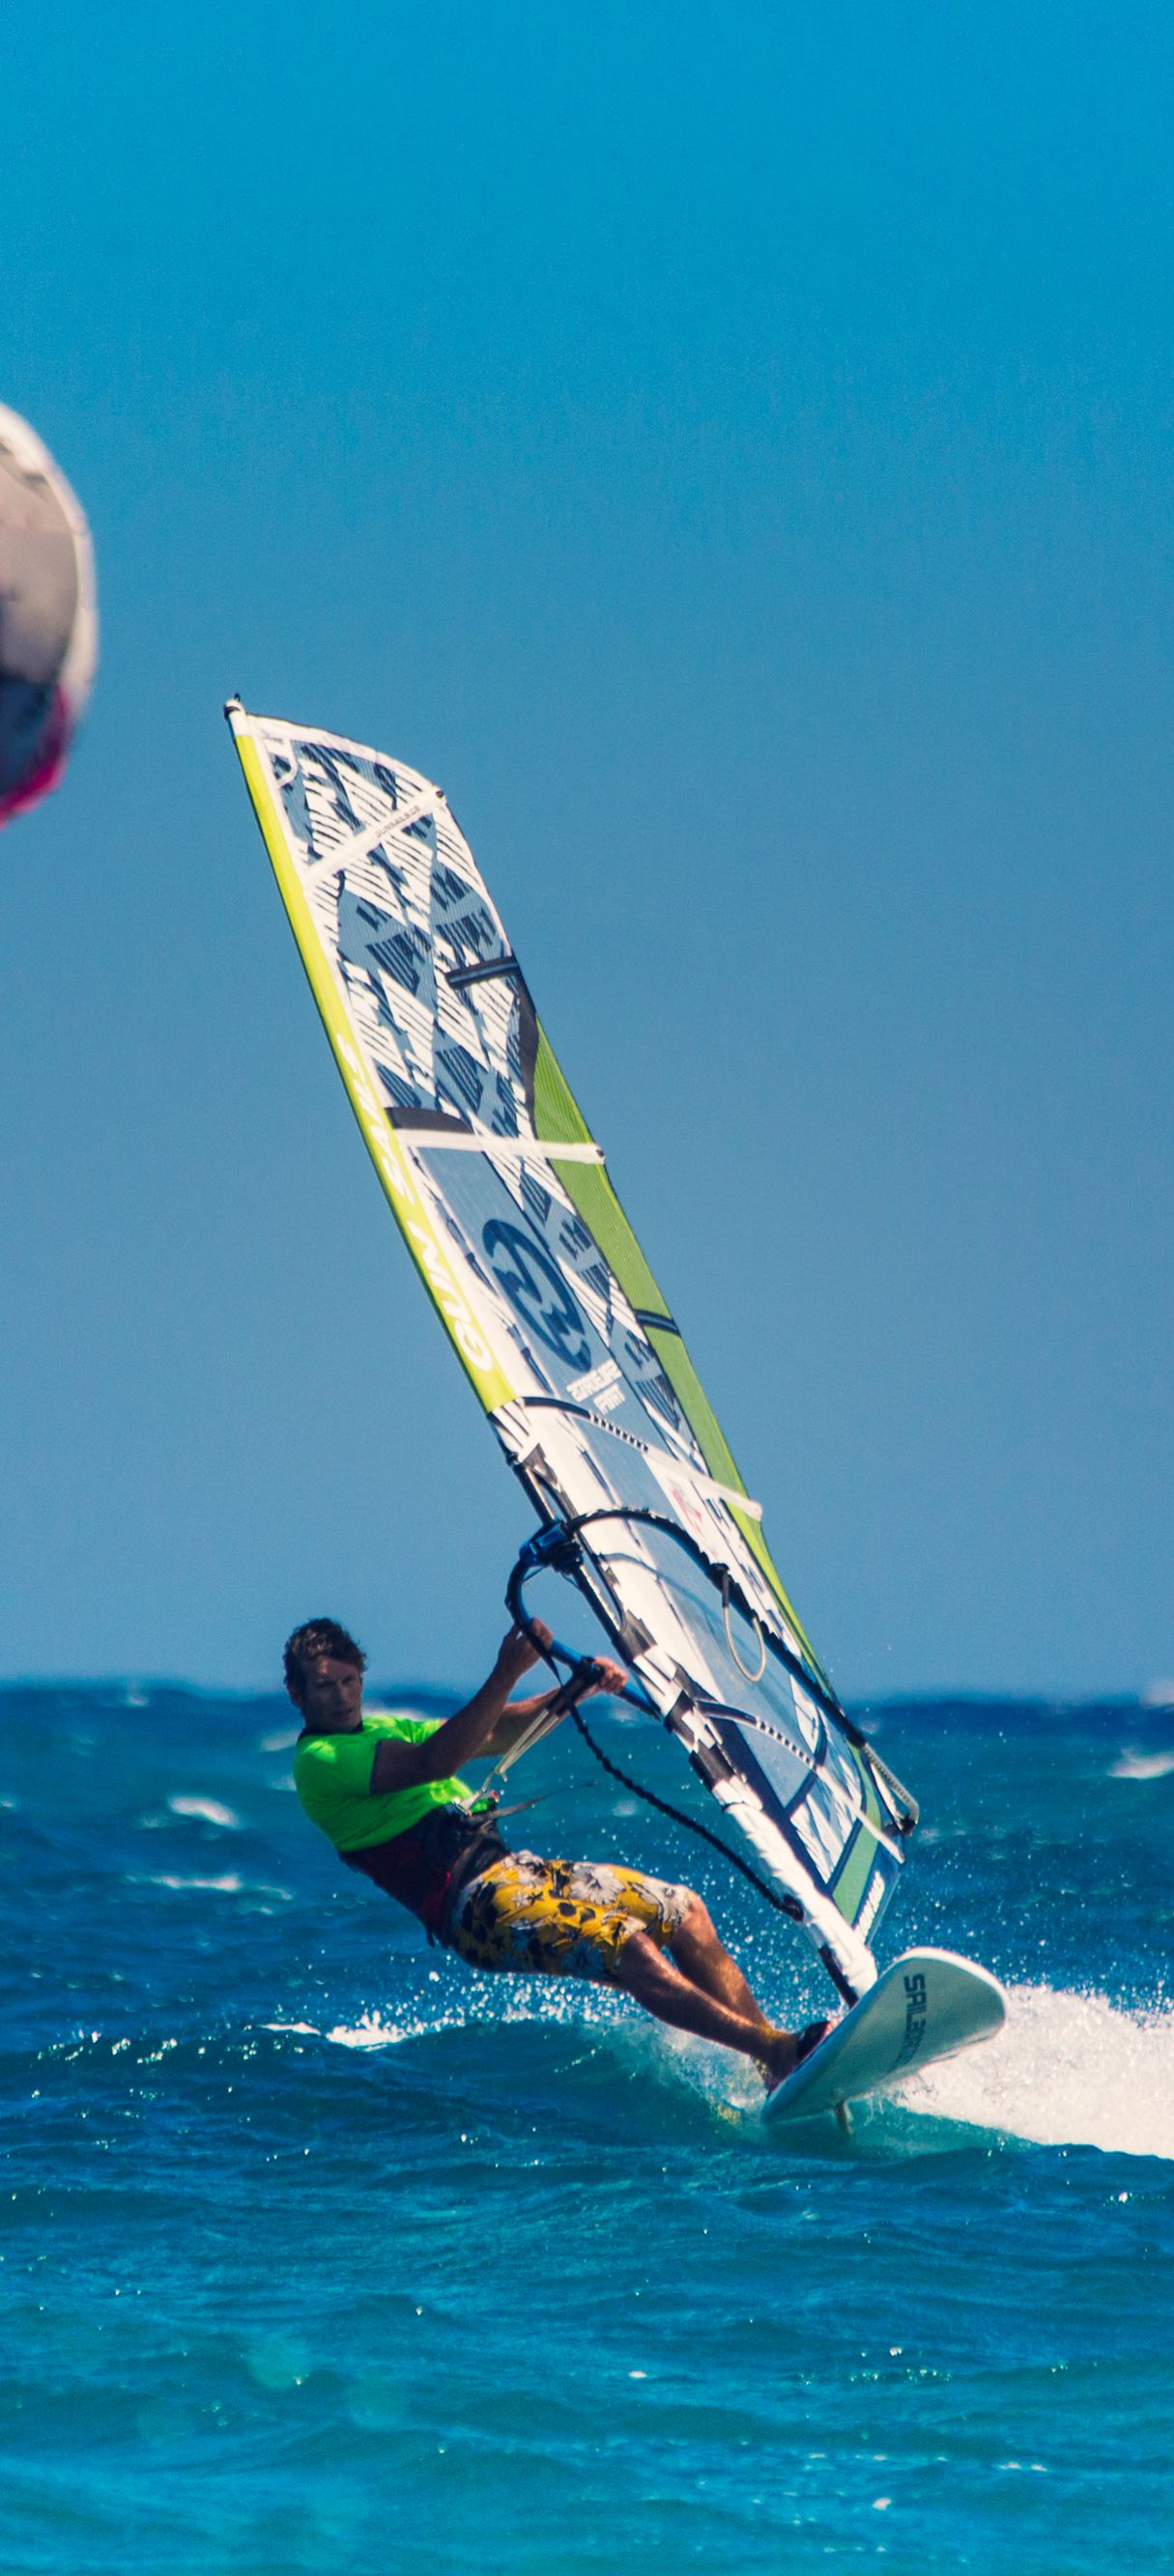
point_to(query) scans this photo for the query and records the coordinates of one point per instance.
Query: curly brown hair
(318, 1637)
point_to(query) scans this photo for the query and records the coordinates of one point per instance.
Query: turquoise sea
(318, 2254)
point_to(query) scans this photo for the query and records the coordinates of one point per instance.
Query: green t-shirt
(332, 1776)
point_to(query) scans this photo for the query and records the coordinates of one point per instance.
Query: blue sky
(730, 450)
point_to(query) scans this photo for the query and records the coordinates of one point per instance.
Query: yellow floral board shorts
(560, 1918)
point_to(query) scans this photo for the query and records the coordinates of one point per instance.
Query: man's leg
(707, 1963)
(557, 1917)
(657, 1983)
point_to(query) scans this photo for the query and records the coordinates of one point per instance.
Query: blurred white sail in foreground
(48, 616)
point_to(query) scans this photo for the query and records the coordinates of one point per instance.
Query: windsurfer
(384, 1789)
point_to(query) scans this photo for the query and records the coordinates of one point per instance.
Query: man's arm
(461, 1738)
(485, 1725)
(517, 1717)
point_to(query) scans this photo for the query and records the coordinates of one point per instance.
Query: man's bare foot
(787, 2050)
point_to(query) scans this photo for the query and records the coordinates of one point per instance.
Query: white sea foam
(370, 2031)
(1068, 2070)
(227, 1886)
(471, 2008)
(1133, 1765)
(208, 1809)
(230, 1884)
(373, 2031)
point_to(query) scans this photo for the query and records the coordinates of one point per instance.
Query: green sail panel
(557, 1116)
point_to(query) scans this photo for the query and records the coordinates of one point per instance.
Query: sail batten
(511, 1216)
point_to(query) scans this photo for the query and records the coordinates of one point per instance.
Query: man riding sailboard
(385, 1791)
(579, 1366)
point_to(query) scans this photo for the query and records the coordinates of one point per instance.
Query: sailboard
(507, 1207)
(928, 2005)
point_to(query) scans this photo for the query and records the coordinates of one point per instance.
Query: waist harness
(427, 1867)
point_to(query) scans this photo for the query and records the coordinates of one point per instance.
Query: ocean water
(317, 2253)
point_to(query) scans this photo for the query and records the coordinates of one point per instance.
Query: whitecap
(1067, 2070)
(208, 1809)
(228, 1885)
(1133, 1765)
(370, 2031)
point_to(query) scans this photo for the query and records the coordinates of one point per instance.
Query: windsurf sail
(505, 1202)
